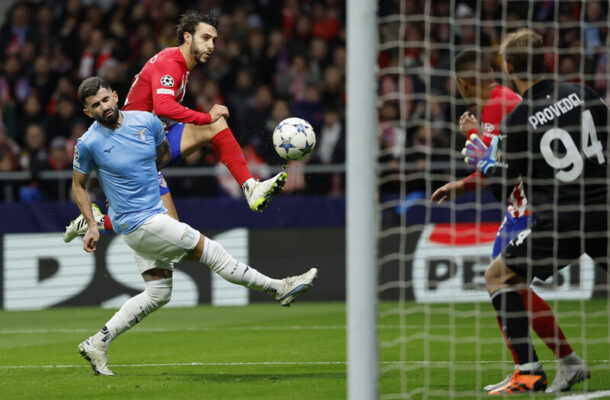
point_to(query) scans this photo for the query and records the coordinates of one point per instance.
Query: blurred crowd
(273, 59)
(420, 103)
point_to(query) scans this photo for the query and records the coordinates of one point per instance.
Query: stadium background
(276, 59)
(270, 62)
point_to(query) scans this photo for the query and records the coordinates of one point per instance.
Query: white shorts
(160, 242)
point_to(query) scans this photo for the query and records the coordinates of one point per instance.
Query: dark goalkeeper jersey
(555, 140)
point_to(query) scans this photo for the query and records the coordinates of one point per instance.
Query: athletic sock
(107, 223)
(229, 153)
(544, 324)
(513, 317)
(570, 359)
(512, 351)
(221, 262)
(156, 294)
(531, 367)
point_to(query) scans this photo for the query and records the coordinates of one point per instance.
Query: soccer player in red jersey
(477, 86)
(159, 88)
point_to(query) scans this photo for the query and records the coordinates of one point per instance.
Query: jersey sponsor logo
(450, 262)
(165, 91)
(141, 134)
(167, 81)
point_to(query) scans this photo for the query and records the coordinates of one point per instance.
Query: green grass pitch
(264, 351)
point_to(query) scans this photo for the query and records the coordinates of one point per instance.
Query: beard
(110, 119)
(198, 54)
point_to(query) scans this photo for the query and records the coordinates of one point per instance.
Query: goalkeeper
(477, 87)
(556, 144)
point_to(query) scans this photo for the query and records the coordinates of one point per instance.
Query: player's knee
(492, 274)
(159, 292)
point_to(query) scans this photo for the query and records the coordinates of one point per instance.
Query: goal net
(437, 329)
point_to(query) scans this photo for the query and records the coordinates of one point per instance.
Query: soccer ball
(294, 138)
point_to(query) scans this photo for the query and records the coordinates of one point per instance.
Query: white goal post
(361, 225)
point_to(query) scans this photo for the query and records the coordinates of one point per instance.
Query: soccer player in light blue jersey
(125, 149)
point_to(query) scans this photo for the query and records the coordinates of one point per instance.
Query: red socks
(512, 351)
(544, 324)
(229, 153)
(107, 223)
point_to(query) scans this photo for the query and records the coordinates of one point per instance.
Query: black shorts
(542, 250)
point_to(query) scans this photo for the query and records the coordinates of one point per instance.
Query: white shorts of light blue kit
(160, 242)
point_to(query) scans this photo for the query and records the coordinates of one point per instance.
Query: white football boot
(79, 226)
(495, 386)
(295, 285)
(96, 357)
(570, 370)
(258, 193)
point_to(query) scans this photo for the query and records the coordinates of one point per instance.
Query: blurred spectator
(65, 115)
(34, 156)
(59, 160)
(237, 99)
(254, 128)
(325, 23)
(310, 108)
(291, 82)
(9, 151)
(330, 149)
(32, 113)
(299, 41)
(43, 80)
(318, 58)
(58, 154)
(16, 31)
(95, 55)
(333, 92)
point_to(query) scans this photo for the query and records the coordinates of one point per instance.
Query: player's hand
(448, 191)
(219, 111)
(477, 154)
(90, 240)
(468, 122)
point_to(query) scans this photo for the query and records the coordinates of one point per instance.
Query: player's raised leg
(188, 138)
(285, 291)
(78, 226)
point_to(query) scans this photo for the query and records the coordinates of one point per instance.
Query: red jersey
(501, 102)
(160, 86)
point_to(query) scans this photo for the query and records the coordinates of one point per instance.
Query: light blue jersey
(124, 160)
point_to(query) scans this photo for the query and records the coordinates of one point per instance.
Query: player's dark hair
(90, 87)
(470, 63)
(189, 21)
(524, 52)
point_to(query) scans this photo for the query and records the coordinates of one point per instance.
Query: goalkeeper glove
(481, 156)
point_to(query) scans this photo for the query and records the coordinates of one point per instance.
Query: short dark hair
(90, 87)
(189, 21)
(470, 63)
(523, 50)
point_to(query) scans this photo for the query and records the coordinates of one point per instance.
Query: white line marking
(587, 396)
(224, 328)
(262, 363)
(185, 329)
